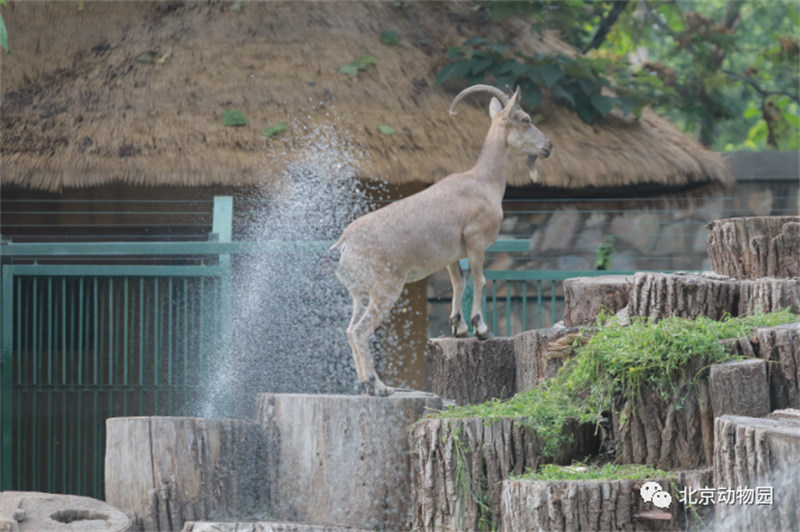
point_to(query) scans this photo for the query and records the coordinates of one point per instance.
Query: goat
(409, 239)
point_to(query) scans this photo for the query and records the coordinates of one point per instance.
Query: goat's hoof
(375, 387)
(464, 334)
(484, 336)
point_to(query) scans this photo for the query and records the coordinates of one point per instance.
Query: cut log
(585, 505)
(750, 248)
(342, 459)
(672, 433)
(168, 470)
(586, 297)
(660, 295)
(534, 363)
(739, 388)
(457, 465)
(781, 345)
(32, 511)
(768, 295)
(756, 469)
(471, 371)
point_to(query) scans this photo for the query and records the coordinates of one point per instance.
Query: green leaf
(475, 41)
(454, 52)
(237, 5)
(234, 118)
(349, 68)
(4, 35)
(366, 60)
(458, 69)
(274, 130)
(603, 104)
(550, 74)
(386, 129)
(390, 37)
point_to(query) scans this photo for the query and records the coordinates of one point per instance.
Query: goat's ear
(495, 107)
(515, 98)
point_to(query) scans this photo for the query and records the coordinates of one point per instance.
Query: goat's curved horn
(494, 91)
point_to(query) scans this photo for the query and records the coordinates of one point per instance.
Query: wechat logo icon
(653, 492)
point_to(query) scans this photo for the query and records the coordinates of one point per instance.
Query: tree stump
(672, 433)
(342, 459)
(739, 388)
(168, 470)
(533, 361)
(457, 465)
(756, 469)
(585, 297)
(471, 371)
(750, 248)
(262, 526)
(768, 295)
(781, 345)
(661, 295)
(32, 511)
(587, 505)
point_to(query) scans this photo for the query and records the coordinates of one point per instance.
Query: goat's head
(522, 136)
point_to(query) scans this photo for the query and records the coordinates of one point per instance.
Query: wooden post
(739, 388)
(585, 297)
(168, 470)
(661, 295)
(750, 248)
(31, 510)
(759, 455)
(342, 459)
(535, 363)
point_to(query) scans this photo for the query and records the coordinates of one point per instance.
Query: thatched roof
(134, 92)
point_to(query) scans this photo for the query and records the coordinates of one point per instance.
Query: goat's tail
(330, 259)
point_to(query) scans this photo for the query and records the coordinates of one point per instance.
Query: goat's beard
(533, 172)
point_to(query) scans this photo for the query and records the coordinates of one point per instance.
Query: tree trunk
(781, 345)
(168, 470)
(739, 388)
(562, 505)
(756, 455)
(660, 295)
(586, 297)
(750, 248)
(672, 433)
(23, 511)
(342, 459)
(471, 371)
(263, 526)
(768, 295)
(534, 361)
(457, 465)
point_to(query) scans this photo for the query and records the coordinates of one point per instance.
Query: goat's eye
(526, 120)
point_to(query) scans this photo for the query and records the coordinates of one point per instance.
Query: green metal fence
(93, 330)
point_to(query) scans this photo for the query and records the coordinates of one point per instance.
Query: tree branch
(605, 25)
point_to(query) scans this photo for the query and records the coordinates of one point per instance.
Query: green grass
(594, 472)
(617, 361)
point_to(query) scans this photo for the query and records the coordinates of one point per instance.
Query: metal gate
(84, 342)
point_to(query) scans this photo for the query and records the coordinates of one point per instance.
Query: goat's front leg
(457, 323)
(478, 282)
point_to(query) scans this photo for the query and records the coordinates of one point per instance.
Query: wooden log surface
(780, 346)
(457, 465)
(739, 388)
(534, 361)
(262, 526)
(32, 511)
(758, 454)
(585, 297)
(342, 459)
(768, 295)
(672, 433)
(470, 371)
(168, 470)
(750, 248)
(661, 295)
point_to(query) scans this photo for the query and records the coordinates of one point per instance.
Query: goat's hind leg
(360, 301)
(377, 310)
(457, 323)
(482, 330)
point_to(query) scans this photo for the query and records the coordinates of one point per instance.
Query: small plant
(234, 118)
(596, 472)
(386, 129)
(274, 130)
(389, 37)
(360, 64)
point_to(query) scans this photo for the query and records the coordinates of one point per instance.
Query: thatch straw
(83, 105)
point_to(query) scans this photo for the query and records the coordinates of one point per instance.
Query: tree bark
(768, 295)
(660, 295)
(534, 361)
(739, 388)
(750, 248)
(671, 433)
(263, 526)
(342, 459)
(457, 465)
(782, 346)
(168, 470)
(754, 453)
(583, 505)
(24, 511)
(471, 371)
(586, 297)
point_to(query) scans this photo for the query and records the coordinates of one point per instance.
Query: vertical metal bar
(539, 303)
(6, 375)
(170, 353)
(524, 305)
(156, 347)
(508, 308)
(553, 303)
(222, 225)
(112, 352)
(64, 388)
(83, 324)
